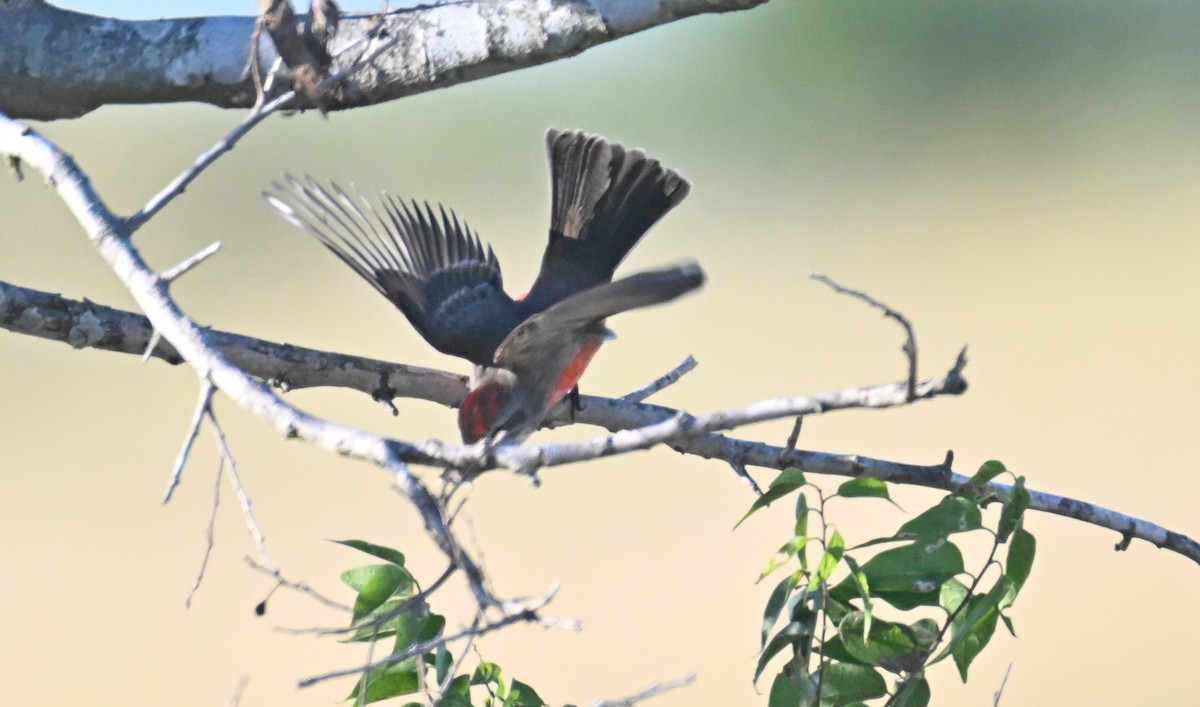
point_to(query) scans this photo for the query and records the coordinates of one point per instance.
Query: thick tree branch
(85, 324)
(60, 64)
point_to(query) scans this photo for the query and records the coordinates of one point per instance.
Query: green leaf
(834, 550)
(974, 638)
(375, 584)
(925, 631)
(431, 628)
(954, 514)
(843, 683)
(775, 604)
(522, 695)
(801, 515)
(954, 593)
(457, 694)
(864, 486)
(789, 691)
(800, 541)
(973, 627)
(394, 680)
(407, 622)
(918, 567)
(790, 635)
(988, 471)
(788, 481)
(485, 673)
(834, 650)
(876, 643)
(859, 579)
(386, 554)
(1014, 509)
(460, 685)
(906, 601)
(1021, 551)
(914, 693)
(442, 663)
(1008, 624)
(772, 564)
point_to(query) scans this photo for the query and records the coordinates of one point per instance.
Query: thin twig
(789, 447)
(236, 699)
(739, 468)
(244, 500)
(1000, 690)
(910, 341)
(458, 662)
(302, 587)
(150, 347)
(383, 619)
(667, 379)
(654, 690)
(176, 272)
(527, 616)
(209, 535)
(180, 183)
(206, 393)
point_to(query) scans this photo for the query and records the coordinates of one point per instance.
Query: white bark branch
(56, 63)
(86, 324)
(111, 237)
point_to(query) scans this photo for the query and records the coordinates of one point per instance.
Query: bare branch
(910, 341)
(85, 324)
(177, 271)
(206, 392)
(462, 657)
(236, 699)
(111, 236)
(739, 468)
(654, 690)
(302, 587)
(522, 614)
(679, 425)
(670, 378)
(255, 530)
(176, 187)
(789, 448)
(155, 338)
(209, 535)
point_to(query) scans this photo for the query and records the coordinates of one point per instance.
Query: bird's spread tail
(604, 198)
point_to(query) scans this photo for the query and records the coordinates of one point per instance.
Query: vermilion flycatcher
(531, 351)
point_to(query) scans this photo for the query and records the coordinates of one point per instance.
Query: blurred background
(1021, 176)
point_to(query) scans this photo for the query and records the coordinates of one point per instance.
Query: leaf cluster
(390, 606)
(846, 620)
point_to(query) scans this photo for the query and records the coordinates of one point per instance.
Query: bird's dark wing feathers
(428, 264)
(604, 198)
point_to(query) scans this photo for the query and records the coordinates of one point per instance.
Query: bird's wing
(590, 307)
(425, 262)
(604, 198)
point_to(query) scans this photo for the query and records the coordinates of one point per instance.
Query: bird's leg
(576, 403)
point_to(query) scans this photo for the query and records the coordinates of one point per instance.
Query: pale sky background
(1021, 177)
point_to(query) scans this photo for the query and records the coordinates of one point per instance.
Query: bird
(541, 360)
(528, 352)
